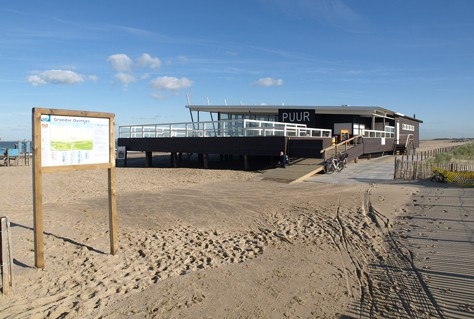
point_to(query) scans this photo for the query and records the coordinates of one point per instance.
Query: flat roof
(367, 111)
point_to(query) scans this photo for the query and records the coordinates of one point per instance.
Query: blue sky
(139, 59)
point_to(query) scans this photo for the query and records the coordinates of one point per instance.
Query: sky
(141, 59)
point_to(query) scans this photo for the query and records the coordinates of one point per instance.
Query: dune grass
(463, 153)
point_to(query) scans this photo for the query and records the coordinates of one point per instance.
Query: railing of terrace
(221, 129)
(343, 146)
(264, 128)
(375, 134)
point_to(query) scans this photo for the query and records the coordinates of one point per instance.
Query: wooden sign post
(6, 255)
(65, 140)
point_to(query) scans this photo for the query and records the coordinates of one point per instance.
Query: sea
(25, 146)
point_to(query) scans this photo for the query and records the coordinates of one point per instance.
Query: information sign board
(72, 140)
(66, 140)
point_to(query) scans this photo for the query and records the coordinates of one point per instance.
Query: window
(408, 127)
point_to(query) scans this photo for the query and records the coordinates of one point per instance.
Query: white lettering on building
(296, 117)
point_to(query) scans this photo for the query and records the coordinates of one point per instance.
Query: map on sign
(72, 140)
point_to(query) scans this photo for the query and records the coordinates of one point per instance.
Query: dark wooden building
(263, 131)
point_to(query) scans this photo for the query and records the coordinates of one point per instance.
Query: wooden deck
(295, 172)
(250, 149)
(247, 147)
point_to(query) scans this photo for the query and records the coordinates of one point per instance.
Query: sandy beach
(197, 243)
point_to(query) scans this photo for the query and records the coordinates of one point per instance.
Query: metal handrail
(353, 140)
(409, 140)
(242, 127)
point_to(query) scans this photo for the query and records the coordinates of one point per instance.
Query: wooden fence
(419, 165)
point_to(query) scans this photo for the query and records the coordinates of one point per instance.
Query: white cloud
(170, 83)
(120, 62)
(128, 72)
(125, 78)
(269, 82)
(55, 77)
(146, 60)
(36, 80)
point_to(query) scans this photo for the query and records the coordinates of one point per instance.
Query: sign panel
(121, 151)
(66, 140)
(72, 140)
(303, 116)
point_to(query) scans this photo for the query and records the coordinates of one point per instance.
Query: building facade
(343, 121)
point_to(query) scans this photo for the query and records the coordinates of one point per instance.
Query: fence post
(6, 256)
(395, 169)
(400, 168)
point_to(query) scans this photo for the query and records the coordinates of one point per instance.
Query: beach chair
(3, 156)
(12, 154)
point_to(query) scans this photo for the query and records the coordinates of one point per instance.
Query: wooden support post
(200, 159)
(177, 160)
(112, 211)
(246, 162)
(205, 158)
(37, 196)
(148, 159)
(174, 159)
(6, 255)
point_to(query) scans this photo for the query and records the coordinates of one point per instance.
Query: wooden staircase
(401, 149)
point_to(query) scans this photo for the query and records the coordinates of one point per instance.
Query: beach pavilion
(257, 131)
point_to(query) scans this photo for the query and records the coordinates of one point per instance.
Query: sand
(196, 243)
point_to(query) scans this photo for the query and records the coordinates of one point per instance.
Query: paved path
(373, 170)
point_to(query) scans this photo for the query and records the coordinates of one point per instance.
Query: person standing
(282, 159)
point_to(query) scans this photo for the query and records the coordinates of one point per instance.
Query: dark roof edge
(362, 109)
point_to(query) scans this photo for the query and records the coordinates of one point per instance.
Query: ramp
(296, 171)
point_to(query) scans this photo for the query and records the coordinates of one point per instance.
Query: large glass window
(234, 124)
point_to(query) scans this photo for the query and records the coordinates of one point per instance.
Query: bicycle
(336, 163)
(439, 177)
